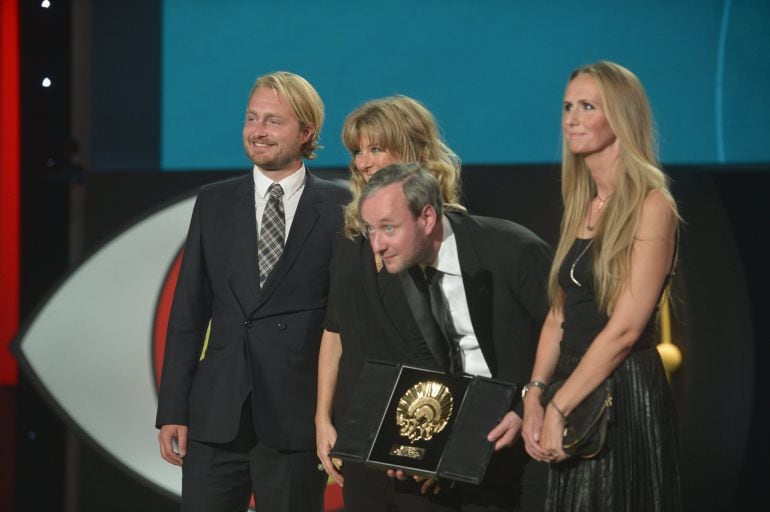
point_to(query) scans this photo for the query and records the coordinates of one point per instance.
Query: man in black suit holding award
(487, 279)
(238, 388)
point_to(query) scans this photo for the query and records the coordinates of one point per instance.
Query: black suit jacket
(505, 270)
(505, 274)
(264, 342)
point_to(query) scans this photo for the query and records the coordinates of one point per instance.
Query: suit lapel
(477, 281)
(242, 276)
(420, 305)
(305, 219)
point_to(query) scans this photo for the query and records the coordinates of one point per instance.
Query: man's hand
(427, 483)
(168, 434)
(506, 432)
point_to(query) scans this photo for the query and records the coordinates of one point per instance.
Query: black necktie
(271, 236)
(443, 317)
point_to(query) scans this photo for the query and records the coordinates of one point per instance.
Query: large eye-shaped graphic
(89, 346)
(95, 347)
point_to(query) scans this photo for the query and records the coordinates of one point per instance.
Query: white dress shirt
(292, 186)
(448, 262)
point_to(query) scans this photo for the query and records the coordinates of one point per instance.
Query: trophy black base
(424, 422)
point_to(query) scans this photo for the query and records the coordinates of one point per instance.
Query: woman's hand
(325, 437)
(552, 434)
(533, 425)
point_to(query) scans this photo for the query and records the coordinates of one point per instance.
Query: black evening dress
(370, 312)
(638, 469)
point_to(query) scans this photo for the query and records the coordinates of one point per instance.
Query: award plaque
(424, 422)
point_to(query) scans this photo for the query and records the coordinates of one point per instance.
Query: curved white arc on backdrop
(90, 344)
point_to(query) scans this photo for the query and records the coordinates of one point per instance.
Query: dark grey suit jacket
(263, 342)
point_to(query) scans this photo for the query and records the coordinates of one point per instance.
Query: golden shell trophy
(423, 422)
(424, 410)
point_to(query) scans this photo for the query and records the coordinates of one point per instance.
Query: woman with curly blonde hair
(364, 299)
(390, 130)
(616, 252)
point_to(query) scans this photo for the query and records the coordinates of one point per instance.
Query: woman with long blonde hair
(365, 300)
(616, 252)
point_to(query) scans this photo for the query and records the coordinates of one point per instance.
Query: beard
(273, 158)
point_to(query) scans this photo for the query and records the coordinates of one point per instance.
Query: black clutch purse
(585, 429)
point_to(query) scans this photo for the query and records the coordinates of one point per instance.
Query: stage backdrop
(493, 72)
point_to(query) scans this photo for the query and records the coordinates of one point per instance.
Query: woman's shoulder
(348, 247)
(658, 216)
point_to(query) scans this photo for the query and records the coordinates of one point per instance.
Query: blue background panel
(492, 72)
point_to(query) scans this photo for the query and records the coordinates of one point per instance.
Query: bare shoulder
(658, 218)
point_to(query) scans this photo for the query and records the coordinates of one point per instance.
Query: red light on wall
(9, 187)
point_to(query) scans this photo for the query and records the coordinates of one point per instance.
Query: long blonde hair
(406, 129)
(628, 113)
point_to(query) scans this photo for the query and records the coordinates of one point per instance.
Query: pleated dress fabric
(638, 469)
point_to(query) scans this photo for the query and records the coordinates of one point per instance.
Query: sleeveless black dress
(638, 470)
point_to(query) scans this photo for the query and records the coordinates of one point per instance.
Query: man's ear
(306, 132)
(428, 216)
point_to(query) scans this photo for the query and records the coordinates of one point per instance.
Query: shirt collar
(447, 259)
(290, 184)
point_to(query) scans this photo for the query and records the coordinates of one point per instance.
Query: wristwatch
(532, 384)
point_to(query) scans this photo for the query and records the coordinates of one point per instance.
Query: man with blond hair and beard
(238, 388)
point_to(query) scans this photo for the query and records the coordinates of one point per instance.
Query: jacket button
(281, 326)
(247, 324)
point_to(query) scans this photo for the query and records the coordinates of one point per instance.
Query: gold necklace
(589, 226)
